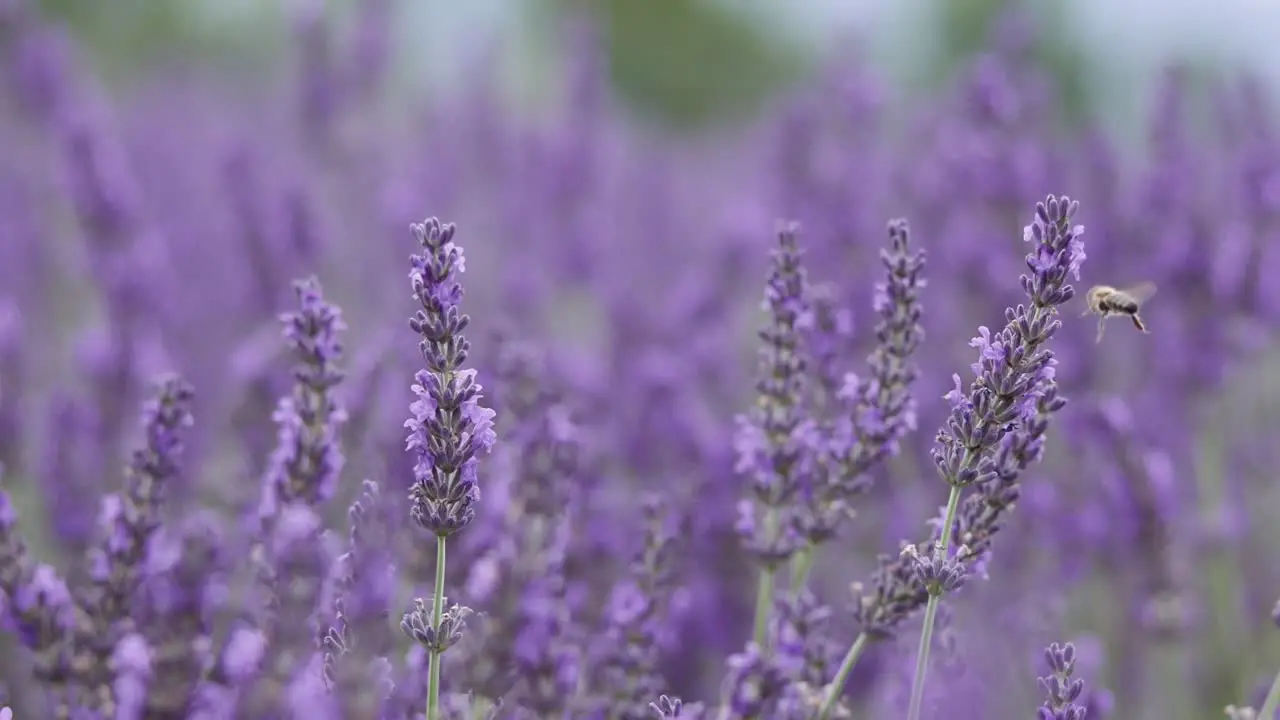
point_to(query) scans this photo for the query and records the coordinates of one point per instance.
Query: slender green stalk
(764, 588)
(1273, 699)
(437, 616)
(842, 675)
(931, 613)
(801, 566)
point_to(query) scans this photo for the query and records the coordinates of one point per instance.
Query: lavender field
(318, 403)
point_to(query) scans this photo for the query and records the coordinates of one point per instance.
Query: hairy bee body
(1106, 301)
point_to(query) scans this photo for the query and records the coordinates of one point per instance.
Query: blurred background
(616, 167)
(1102, 55)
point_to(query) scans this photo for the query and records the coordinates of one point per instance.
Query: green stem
(931, 613)
(764, 588)
(1273, 700)
(437, 616)
(842, 675)
(801, 566)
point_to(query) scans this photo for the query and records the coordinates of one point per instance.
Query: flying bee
(1106, 301)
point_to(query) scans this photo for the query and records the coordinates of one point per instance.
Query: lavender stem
(437, 617)
(931, 610)
(842, 675)
(764, 588)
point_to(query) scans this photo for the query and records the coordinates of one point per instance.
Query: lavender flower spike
(129, 520)
(995, 431)
(449, 431)
(36, 602)
(1062, 690)
(774, 442)
(873, 413)
(307, 458)
(1015, 374)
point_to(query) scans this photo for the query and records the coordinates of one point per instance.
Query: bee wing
(1141, 292)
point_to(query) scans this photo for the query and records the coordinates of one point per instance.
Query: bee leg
(1137, 322)
(1102, 325)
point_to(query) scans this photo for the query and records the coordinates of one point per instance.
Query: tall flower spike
(629, 676)
(450, 429)
(129, 520)
(448, 434)
(307, 458)
(774, 442)
(875, 412)
(995, 431)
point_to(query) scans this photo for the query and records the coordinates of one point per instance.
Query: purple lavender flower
(450, 430)
(299, 564)
(448, 434)
(70, 468)
(11, 384)
(37, 605)
(628, 667)
(874, 413)
(752, 684)
(184, 580)
(357, 641)
(307, 459)
(807, 652)
(532, 643)
(1062, 689)
(775, 442)
(129, 520)
(669, 708)
(995, 431)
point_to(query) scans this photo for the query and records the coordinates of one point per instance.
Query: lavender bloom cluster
(617, 485)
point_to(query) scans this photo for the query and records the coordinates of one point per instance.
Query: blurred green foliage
(684, 64)
(124, 38)
(691, 63)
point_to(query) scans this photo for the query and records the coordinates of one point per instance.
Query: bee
(1106, 301)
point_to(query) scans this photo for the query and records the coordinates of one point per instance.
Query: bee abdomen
(1122, 304)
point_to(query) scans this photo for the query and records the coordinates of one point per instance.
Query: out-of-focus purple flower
(532, 639)
(873, 413)
(752, 683)
(131, 665)
(11, 384)
(357, 641)
(774, 441)
(70, 468)
(806, 650)
(128, 522)
(299, 562)
(1062, 689)
(450, 429)
(625, 668)
(37, 605)
(308, 458)
(185, 581)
